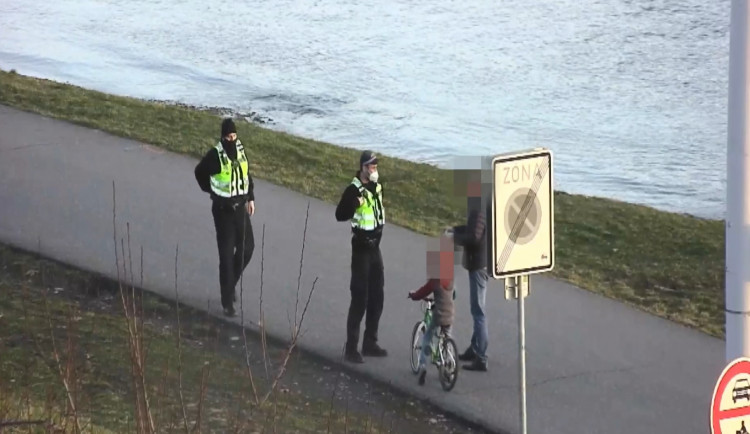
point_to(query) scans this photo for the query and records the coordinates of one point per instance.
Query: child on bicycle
(440, 268)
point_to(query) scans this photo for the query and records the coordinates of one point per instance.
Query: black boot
(352, 355)
(372, 349)
(468, 356)
(476, 365)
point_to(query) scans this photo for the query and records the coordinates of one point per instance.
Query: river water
(631, 96)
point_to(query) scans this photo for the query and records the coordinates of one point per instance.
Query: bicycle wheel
(448, 369)
(416, 344)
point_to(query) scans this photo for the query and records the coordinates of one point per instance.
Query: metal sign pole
(520, 293)
(738, 187)
(518, 287)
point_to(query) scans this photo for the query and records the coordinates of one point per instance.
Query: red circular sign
(730, 404)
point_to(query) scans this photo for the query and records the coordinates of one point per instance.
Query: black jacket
(349, 203)
(473, 236)
(210, 165)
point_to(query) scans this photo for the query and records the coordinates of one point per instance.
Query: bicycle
(443, 347)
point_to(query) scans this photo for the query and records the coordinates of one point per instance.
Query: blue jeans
(426, 353)
(477, 290)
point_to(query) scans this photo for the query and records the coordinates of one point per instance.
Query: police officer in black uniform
(223, 173)
(362, 203)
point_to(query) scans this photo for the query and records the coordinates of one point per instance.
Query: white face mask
(373, 176)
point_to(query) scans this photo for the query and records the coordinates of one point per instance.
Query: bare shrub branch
(62, 376)
(248, 368)
(143, 418)
(261, 316)
(292, 345)
(301, 259)
(179, 343)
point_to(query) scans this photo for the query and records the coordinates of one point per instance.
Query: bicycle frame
(439, 335)
(439, 343)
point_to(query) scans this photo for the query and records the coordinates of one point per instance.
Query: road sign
(730, 404)
(522, 213)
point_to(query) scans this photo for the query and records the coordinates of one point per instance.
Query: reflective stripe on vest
(232, 180)
(371, 213)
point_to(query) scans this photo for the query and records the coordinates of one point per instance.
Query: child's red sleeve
(424, 291)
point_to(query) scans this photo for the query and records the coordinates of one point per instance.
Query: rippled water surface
(630, 95)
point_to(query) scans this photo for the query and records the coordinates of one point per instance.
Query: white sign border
(522, 155)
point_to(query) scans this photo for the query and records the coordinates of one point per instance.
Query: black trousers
(366, 287)
(234, 237)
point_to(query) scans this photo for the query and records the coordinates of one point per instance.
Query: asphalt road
(593, 364)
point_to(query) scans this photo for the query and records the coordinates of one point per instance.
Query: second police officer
(362, 204)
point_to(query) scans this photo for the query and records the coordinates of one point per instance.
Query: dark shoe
(476, 365)
(353, 357)
(373, 350)
(229, 311)
(468, 356)
(421, 376)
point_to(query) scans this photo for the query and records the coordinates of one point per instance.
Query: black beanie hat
(368, 157)
(227, 126)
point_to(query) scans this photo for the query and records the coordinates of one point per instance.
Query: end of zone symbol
(533, 216)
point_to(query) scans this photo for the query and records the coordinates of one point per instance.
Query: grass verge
(668, 264)
(66, 366)
(66, 356)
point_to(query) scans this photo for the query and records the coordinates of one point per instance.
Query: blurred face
(433, 265)
(474, 189)
(440, 260)
(368, 171)
(230, 137)
(474, 185)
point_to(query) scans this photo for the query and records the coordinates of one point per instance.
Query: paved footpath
(593, 365)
